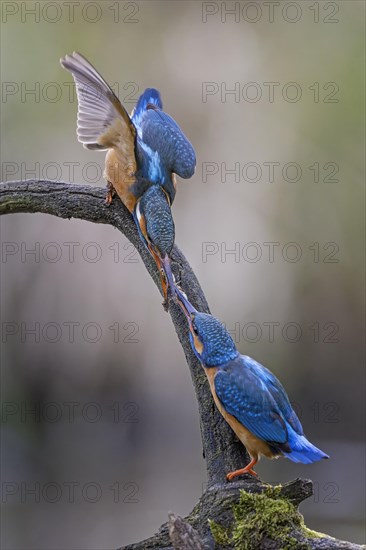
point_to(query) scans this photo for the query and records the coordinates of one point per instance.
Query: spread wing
(246, 397)
(102, 121)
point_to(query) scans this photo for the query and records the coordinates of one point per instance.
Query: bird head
(210, 340)
(156, 225)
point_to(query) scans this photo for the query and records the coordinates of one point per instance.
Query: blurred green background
(113, 442)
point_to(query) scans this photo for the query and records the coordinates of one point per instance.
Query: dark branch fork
(222, 452)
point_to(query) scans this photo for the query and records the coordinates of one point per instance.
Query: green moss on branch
(265, 517)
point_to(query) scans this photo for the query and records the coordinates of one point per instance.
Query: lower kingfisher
(250, 398)
(143, 150)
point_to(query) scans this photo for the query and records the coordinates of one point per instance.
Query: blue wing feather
(257, 399)
(161, 133)
(245, 396)
(162, 147)
(276, 389)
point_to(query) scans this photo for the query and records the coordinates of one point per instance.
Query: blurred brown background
(113, 441)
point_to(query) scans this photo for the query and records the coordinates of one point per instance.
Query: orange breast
(121, 174)
(253, 444)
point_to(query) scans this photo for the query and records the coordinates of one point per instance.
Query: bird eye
(194, 329)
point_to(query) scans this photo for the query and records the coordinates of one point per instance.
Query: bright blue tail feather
(301, 449)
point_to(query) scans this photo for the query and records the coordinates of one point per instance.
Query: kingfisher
(250, 398)
(144, 150)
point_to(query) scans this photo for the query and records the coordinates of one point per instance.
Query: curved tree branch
(87, 203)
(221, 450)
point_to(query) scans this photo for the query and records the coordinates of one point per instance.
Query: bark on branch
(221, 450)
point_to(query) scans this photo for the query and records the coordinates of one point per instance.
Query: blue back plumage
(162, 134)
(161, 147)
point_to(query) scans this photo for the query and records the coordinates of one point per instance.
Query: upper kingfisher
(250, 398)
(143, 150)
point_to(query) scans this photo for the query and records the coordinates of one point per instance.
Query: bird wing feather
(102, 121)
(246, 397)
(162, 134)
(277, 391)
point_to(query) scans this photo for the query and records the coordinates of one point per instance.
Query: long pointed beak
(167, 278)
(167, 268)
(185, 305)
(140, 224)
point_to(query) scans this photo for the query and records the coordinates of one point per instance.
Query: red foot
(247, 470)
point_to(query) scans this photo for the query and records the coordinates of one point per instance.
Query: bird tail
(151, 96)
(301, 449)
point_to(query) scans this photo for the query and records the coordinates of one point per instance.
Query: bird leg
(110, 193)
(247, 470)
